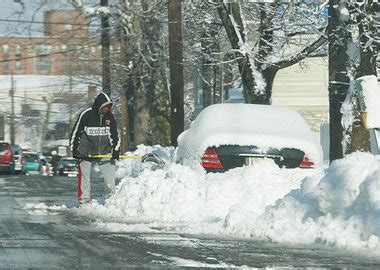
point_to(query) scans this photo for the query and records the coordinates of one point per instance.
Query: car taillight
(210, 160)
(307, 163)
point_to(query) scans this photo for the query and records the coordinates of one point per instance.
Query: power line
(40, 22)
(59, 52)
(45, 54)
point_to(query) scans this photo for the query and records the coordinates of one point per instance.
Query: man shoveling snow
(95, 133)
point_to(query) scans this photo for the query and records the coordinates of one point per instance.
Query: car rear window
(3, 147)
(16, 149)
(31, 158)
(69, 161)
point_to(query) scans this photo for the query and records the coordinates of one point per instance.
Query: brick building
(49, 78)
(65, 48)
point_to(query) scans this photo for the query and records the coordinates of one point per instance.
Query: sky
(30, 11)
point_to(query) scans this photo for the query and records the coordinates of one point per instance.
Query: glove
(115, 154)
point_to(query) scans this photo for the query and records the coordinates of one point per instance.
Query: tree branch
(289, 61)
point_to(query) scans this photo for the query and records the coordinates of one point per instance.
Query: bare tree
(259, 65)
(365, 21)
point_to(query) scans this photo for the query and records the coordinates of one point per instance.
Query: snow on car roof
(248, 124)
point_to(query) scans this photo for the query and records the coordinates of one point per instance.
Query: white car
(226, 136)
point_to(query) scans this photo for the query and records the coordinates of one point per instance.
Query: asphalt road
(61, 239)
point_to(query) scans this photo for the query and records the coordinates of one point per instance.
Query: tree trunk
(268, 75)
(209, 47)
(105, 40)
(236, 36)
(176, 70)
(338, 78)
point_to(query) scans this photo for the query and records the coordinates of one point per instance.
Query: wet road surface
(44, 239)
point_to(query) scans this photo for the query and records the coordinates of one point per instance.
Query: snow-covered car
(227, 136)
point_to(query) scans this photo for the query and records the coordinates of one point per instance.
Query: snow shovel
(145, 158)
(110, 156)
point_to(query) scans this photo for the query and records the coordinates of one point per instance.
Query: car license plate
(252, 160)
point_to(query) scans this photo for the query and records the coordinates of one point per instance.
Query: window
(65, 66)
(70, 67)
(42, 49)
(63, 47)
(6, 67)
(5, 48)
(18, 66)
(67, 25)
(18, 50)
(71, 49)
(43, 66)
(78, 49)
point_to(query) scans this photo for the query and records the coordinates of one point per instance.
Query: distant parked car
(31, 164)
(67, 167)
(17, 157)
(227, 136)
(6, 158)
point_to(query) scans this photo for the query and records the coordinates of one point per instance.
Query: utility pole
(124, 122)
(176, 70)
(71, 125)
(123, 94)
(105, 42)
(12, 125)
(45, 124)
(339, 82)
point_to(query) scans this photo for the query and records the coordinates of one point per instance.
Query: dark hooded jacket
(95, 133)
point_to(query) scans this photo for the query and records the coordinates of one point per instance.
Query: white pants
(107, 167)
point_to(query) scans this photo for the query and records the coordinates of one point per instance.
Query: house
(304, 88)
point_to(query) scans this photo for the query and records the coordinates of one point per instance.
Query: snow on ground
(196, 201)
(132, 167)
(338, 207)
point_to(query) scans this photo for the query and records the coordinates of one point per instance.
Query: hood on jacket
(100, 101)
